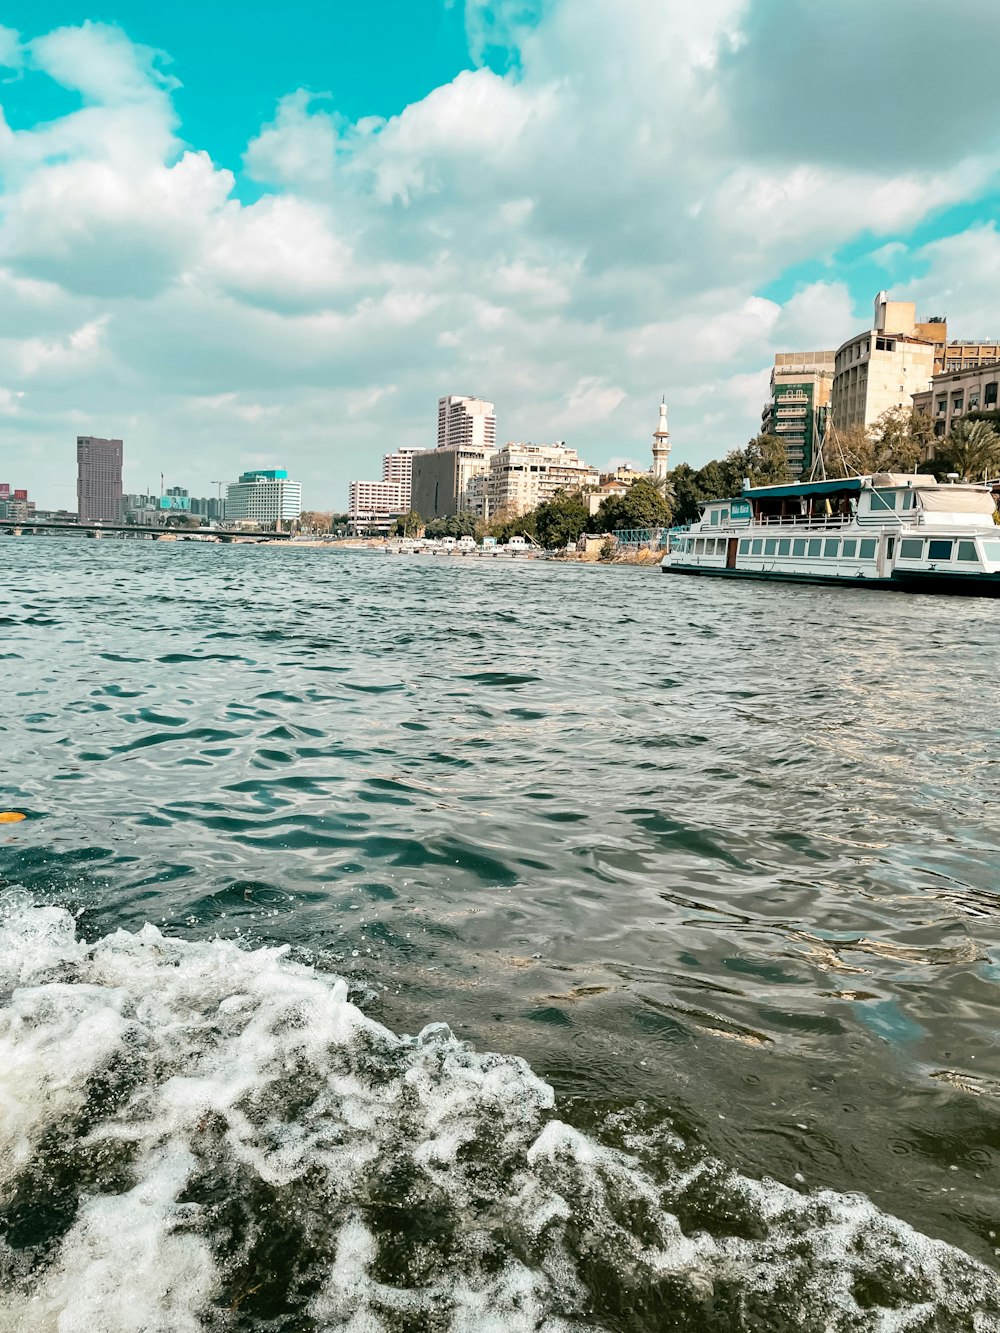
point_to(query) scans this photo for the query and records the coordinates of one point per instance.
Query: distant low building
(15, 506)
(264, 496)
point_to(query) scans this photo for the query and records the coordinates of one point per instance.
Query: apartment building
(954, 394)
(523, 476)
(367, 498)
(799, 403)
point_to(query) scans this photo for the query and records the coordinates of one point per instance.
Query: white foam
(221, 1130)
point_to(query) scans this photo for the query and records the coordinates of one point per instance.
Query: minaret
(661, 445)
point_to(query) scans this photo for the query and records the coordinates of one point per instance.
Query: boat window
(939, 550)
(850, 546)
(831, 547)
(725, 515)
(967, 551)
(991, 550)
(745, 546)
(815, 546)
(715, 518)
(868, 545)
(798, 546)
(907, 500)
(882, 500)
(770, 546)
(699, 546)
(784, 546)
(911, 548)
(755, 547)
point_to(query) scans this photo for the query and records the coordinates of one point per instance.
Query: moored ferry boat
(906, 532)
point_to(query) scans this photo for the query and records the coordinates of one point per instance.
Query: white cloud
(569, 239)
(11, 54)
(100, 62)
(299, 146)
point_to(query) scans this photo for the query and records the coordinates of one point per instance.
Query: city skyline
(280, 254)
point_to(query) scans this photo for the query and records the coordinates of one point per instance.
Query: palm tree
(972, 450)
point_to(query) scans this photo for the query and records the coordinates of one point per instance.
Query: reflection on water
(727, 852)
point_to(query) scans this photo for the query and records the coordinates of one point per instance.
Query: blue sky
(250, 235)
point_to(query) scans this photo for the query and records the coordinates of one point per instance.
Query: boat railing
(804, 520)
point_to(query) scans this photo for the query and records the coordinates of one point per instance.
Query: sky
(272, 236)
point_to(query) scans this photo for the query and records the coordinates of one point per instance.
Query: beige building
(884, 366)
(523, 476)
(606, 489)
(952, 396)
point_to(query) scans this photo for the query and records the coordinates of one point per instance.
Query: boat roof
(848, 485)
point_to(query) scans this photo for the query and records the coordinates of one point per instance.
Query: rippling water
(720, 863)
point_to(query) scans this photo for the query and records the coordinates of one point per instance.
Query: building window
(990, 397)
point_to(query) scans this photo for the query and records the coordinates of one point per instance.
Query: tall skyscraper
(98, 479)
(466, 421)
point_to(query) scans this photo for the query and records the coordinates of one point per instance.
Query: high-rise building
(470, 422)
(882, 367)
(450, 479)
(797, 410)
(523, 476)
(98, 479)
(264, 496)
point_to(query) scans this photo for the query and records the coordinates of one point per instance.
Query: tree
(644, 505)
(972, 450)
(689, 492)
(561, 519)
(897, 441)
(315, 520)
(766, 462)
(408, 525)
(454, 525)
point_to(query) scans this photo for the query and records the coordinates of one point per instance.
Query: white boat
(906, 532)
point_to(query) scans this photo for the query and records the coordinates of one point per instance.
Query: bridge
(12, 528)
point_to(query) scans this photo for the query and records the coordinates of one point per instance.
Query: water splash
(196, 1136)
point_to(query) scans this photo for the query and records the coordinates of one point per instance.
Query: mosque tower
(661, 445)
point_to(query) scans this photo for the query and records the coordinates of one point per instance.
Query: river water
(411, 943)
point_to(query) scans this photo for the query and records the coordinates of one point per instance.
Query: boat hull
(922, 581)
